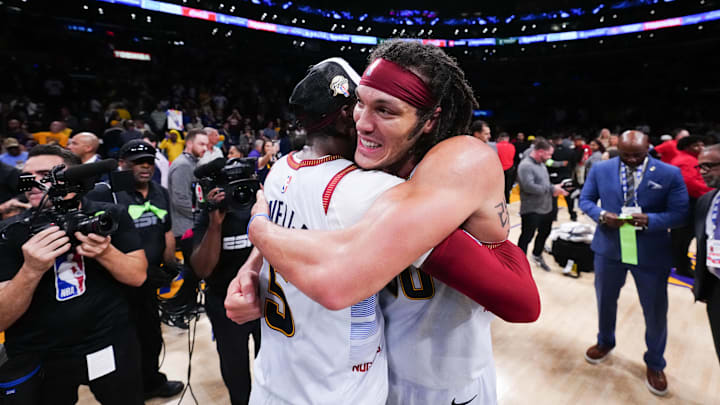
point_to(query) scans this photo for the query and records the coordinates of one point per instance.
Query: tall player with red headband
(410, 98)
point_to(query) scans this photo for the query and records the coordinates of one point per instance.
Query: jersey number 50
(281, 321)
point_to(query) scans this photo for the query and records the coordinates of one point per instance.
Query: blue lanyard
(713, 215)
(638, 179)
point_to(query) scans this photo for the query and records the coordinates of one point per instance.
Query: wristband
(247, 232)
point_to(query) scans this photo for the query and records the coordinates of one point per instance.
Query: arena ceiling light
(175, 9)
(145, 57)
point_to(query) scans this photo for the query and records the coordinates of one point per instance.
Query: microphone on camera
(81, 173)
(209, 168)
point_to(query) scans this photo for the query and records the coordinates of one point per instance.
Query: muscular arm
(458, 183)
(496, 276)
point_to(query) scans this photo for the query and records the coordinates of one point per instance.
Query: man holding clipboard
(641, 199)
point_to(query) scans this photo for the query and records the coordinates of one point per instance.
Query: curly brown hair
(447, 84)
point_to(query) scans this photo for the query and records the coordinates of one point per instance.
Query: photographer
(149, 207)
(62, 301)
(221, 247)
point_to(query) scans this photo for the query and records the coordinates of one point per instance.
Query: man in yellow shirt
(173, 145)
(58, 134)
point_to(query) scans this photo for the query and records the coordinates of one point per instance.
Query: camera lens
(243, 194)
(102, 225)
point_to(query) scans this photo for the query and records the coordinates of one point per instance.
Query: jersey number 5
(281, 321)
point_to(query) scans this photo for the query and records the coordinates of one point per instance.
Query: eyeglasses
(706, 167)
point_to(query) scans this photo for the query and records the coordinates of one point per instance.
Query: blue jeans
(652, 288)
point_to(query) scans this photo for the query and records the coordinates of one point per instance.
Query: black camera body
(236, 177)
(572, 187)
(102, 223)
(64, 213)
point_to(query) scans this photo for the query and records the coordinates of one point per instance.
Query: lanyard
(639, 174)
(713, 216)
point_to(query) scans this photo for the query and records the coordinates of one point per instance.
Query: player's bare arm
(503, 213)
(455, 185)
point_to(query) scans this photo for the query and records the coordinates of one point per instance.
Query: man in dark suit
(649, 196)
(707, 232)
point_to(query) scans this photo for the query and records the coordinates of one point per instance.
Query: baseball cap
(11, 143)
(136, 149)
(328, 86)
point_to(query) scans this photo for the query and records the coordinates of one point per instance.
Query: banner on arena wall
(175, 119)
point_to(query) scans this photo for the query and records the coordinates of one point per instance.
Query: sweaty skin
(455, 185)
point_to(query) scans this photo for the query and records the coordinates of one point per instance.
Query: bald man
(213, 152)
(85, 145)
(641, 198)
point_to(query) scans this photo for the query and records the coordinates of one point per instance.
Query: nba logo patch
(70, 277)
(287, 184)
(340, 85)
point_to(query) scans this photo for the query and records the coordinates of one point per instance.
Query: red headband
(399, 82)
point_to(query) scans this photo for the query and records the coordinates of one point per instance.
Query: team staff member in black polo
(149, 207)
(66, 304)
(221, 247)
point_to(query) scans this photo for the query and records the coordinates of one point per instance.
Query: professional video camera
(236, 177)
(65, 213)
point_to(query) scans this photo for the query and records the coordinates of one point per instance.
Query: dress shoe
(597, 354)
(656, 382)
(167, 390)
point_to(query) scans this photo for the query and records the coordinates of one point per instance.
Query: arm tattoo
(503, 214)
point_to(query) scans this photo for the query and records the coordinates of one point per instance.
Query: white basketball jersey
(439, 343)
(309, 354)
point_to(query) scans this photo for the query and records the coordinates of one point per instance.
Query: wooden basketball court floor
(538, 363)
